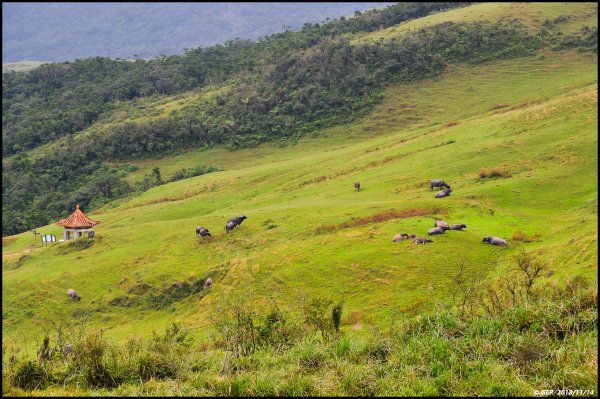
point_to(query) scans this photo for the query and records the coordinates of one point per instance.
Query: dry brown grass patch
(495, 171)
(8, 240)
(520, 236)
(378, 218)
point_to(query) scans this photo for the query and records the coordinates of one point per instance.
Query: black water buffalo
(237, 220)
(208, 283)
(422, 241)
(443, 193)
(436, 230)
(230, 226)
(494, 240)
(73, 295)
(438, 183)
(202, 232)
(458, 227)
(357, 186)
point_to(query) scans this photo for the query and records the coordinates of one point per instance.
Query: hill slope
(536, 117)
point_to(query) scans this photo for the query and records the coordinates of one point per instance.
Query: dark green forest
(282, 87)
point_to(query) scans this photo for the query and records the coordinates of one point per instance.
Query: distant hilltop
(21, 65)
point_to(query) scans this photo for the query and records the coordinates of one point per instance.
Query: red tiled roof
(77, 220)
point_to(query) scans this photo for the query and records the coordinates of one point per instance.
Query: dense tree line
(275, 95)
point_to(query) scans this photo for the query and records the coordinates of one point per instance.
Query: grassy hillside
(535, 117)
(569, 17)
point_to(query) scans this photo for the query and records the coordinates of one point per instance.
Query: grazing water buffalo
(443, 193)
(436, 230)
(441, 223)
(238, 220)
(400, 237)
(458, 227)
(230, 226)
(202, 232)
(438, 183)
(494, 240)
(207, 283)
(421, 241)
(357, 186)
(73, 295)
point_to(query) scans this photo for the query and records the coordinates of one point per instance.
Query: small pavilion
(76, 224)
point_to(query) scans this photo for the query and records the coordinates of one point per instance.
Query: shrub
(30, 375)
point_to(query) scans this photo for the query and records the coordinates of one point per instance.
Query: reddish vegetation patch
(520, 236)
(8, 240)
(500, 105)
(163, 199)
(497, 171)
(378, 218)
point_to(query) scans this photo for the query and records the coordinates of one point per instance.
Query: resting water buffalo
(207, 283)
(438, 183)
(73, 295)
(458, 227)
(399, 237)
(441, 223)
(436, 230)
(357, 186)
(203, 232)
(443, 193)
(230, 226)
(494, 240)
(421, 241)
(238, 220)
(412, 236)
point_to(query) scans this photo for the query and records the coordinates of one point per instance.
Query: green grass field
(536, 117)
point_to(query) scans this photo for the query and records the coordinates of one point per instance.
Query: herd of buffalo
(440, 227)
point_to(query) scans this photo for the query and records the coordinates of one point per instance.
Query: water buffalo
(438, 183)
(91, 233)
(357, 186)
(436, 230)
(412, 236)
(73, 295)
(422, 241)
(237, 220)
(208, 283)
(399, 237)
(202, 232)
(443, 193)
(494, 240)
(458, 227)
(230, 226)
(441, 223)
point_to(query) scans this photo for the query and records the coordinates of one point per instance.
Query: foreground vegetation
(505, 336)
